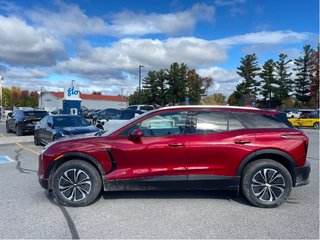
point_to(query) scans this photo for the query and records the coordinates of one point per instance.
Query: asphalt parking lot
(28, 211)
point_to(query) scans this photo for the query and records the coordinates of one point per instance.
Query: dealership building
(54, 100)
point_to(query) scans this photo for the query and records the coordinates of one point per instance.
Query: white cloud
(127, 54)
(21, 44)
(224, 80)
(265, 37)
(70, 20)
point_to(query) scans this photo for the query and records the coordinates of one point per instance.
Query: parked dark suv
(23, 121)
(187, 147)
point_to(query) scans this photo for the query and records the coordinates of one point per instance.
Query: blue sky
(101, 43)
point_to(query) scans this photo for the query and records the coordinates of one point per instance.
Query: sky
(101, 44)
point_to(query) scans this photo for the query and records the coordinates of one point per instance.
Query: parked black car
(104, 114)
(23, 121)
(53, 127)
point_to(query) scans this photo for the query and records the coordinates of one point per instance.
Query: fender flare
(255, 155)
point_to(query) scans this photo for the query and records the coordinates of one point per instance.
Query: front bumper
(302, 175)
(43, 182)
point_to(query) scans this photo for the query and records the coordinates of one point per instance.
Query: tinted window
(70, 121)
(209, 122)
(260, 121)
(133, 107)
(127, 115)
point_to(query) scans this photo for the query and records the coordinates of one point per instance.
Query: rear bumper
(302, 175)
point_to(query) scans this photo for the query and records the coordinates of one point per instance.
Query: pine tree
(284, 79)
(303, 75)
(177, 75)
(314, 66)
(248, 70)
(269, 85)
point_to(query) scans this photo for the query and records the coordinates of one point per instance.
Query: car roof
(65, 115)
(222, 108)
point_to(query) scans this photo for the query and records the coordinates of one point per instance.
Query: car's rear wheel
(76, 183)
(266, 183)
(316, 126)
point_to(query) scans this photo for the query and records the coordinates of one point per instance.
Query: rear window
(36, 114)
(133, 107)
(252, 120)
(70, 121)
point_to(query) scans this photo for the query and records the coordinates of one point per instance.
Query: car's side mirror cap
(136, 135)
(50, 124)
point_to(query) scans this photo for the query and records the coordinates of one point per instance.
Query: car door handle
(242, 141)
(175, 144)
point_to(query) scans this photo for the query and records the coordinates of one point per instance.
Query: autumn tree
(196, 86)
(215, 99)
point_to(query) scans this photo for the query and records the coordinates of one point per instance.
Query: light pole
(140, 66)
(1, 110)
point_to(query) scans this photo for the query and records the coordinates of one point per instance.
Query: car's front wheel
(7, 128)
(76, 183)
(316, 126)
(266, 183)
(36, 140)
(19, 130)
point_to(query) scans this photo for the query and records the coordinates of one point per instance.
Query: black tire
(100, 126)
(316, 126)
(36, 140)
(18, 130)
(68, 190)
(266, 183)
(7, 128)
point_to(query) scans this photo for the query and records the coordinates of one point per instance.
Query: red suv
(185, 147)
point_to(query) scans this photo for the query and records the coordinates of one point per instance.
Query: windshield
(70, 121)
(112, 130)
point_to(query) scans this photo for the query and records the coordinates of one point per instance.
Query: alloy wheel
(75, 184)
(268, 184)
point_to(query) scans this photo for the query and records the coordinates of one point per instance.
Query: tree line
(173, 86)
(19, 98)
(279, 84)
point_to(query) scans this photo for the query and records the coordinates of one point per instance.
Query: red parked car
(185, 147)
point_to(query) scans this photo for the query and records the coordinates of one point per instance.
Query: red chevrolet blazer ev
(186, 147)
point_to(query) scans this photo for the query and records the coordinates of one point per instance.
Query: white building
(54, 100)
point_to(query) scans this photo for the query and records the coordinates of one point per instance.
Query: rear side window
(204, 122)
(252, 120)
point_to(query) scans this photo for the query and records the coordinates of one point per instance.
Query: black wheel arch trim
(255, 156)
(70, 156)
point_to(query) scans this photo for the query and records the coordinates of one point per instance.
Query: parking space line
(1, 135)
(28, 149)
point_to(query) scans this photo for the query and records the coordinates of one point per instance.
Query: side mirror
(9, 115)
(50, 124)
(135, 135)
